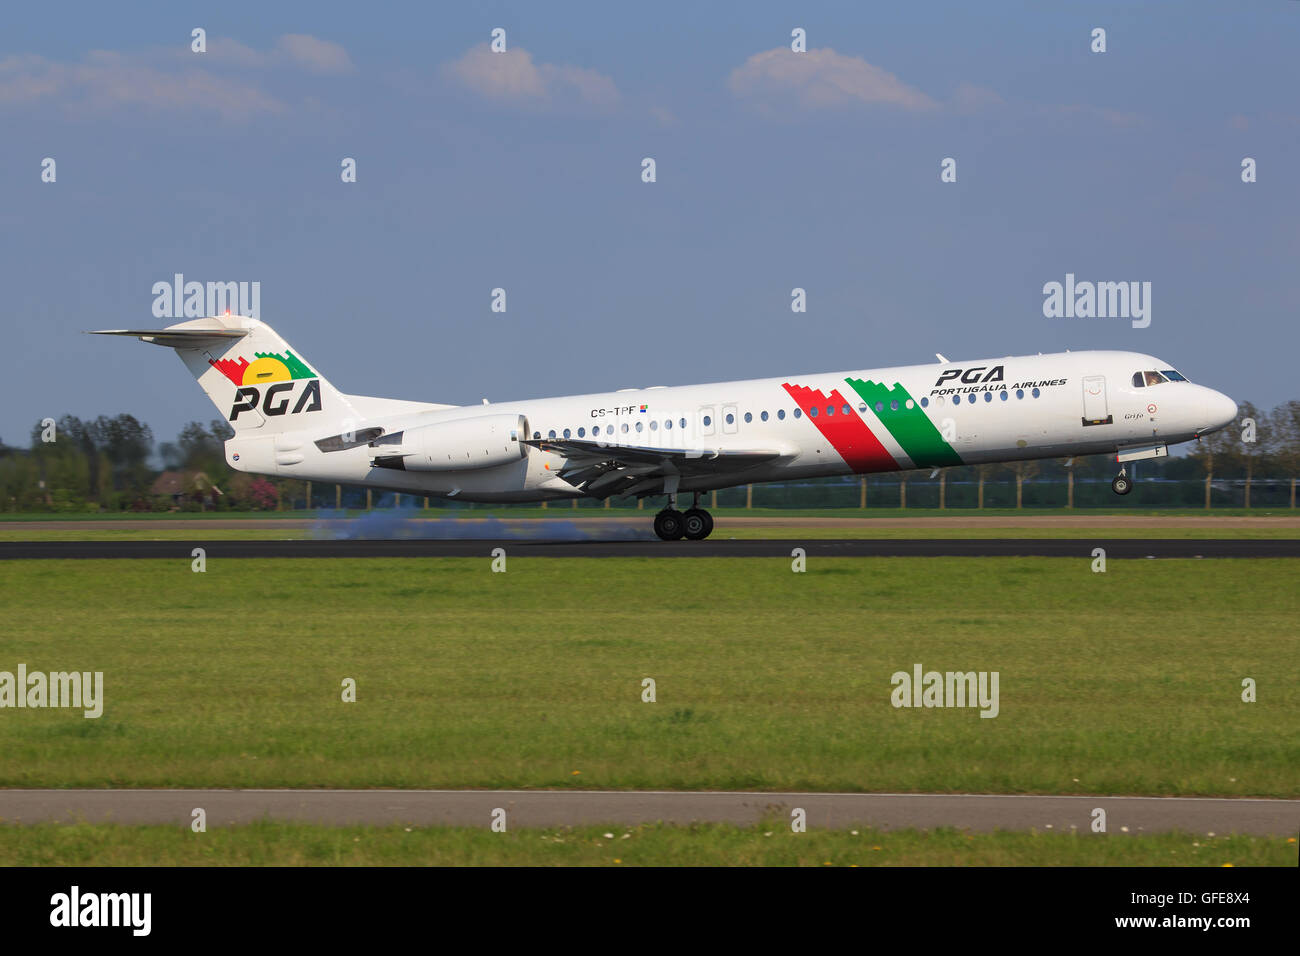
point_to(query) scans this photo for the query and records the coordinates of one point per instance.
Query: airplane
(290, 422)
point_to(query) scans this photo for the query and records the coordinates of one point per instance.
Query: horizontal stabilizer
(179, 338)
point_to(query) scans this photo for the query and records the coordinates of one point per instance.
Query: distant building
(183, 486)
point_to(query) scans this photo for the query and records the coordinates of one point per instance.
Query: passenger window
(707, 421)
(925, 403)
(780, 414)
(582, 432)
(551, 433)
(847, 410)
(798, 413)
(812, 412)
(731, 419)
(566, 433)
(763, 416)
(893, 406)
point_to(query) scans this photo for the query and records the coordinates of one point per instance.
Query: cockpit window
(1152, 377)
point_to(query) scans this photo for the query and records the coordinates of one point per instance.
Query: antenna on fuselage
(942, 359)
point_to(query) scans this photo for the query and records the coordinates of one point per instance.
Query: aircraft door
(1094, 401)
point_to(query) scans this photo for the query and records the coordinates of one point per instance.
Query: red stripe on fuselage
(848, 434)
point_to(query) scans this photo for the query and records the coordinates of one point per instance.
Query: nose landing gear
(1121, 484)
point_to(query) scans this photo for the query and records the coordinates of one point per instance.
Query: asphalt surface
(588, 518)
(537, 808)
(711, 548)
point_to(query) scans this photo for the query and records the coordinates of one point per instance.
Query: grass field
(1127, 682)
(282, 844)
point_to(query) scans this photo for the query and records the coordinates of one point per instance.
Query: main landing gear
(695, 524)
(1120, 484)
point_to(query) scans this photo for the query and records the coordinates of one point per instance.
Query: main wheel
(699, 524)
(1121, 485)
(670, 525)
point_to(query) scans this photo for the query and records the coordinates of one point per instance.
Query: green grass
(287, 844)
(1120, 683)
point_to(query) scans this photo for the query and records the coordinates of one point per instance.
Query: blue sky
(522, 171)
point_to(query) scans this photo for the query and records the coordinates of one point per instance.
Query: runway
(421, 524)
(711, 548)
(548, 808)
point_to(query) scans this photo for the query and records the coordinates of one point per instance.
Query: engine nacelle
(464, 443)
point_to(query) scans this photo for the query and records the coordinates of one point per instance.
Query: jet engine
(464, 443)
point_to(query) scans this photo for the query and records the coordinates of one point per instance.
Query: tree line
(112, 463)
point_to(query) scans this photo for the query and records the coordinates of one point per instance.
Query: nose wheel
(1121, 484)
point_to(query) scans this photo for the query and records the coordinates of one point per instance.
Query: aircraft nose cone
(1218, 410)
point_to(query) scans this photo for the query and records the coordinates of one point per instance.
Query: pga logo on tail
(270, 380)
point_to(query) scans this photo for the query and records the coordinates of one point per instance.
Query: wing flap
(600, 468)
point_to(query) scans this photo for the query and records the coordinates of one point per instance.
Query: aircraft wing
(605, 469)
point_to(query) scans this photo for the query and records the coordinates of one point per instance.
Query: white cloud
(174, 78)
(821, 79)
(315, 54)
(513, 77)
(292, 50)
(104, 80)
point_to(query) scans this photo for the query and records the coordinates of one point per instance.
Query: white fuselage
(918, 416)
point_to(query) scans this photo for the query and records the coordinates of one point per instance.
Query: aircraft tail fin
(257, 382)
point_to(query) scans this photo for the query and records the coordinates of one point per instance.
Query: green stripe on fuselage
(911, 427)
